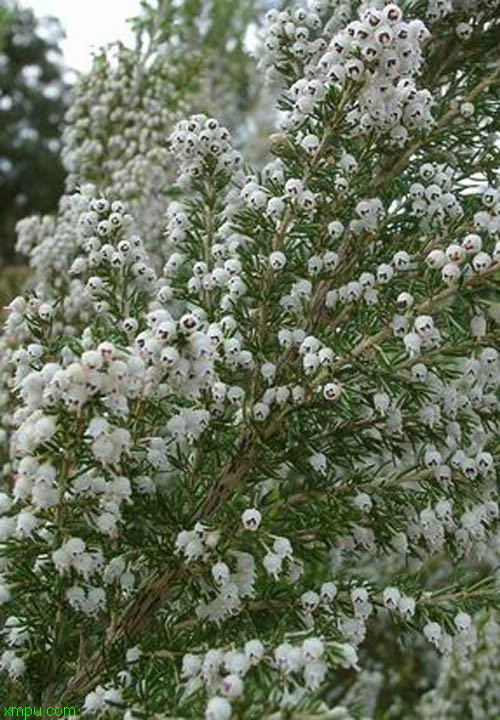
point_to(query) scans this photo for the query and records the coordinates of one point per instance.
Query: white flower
(348, 654)
(450, 273)
(5, 594)
(467, 109)
(61, 559)
(463, 621)
(76, 596)
(406, 606)
(433, 633)
(191, 665)
(26, 523)
(95, 601)
(314, 674)
(232, 686)
(481, 262)
(133, 654)
(281, 654)
(261, 411)
(104, 450)
(319, 462)
(381, 402)
(44, 496)
(194, 549)
(277, 260)
(16, 667)
(359, 596)
(294, 660)
(282, 547)
(310, 601)
(5, 503)
(95, 701)
(391, 597)
(364, 502)
(312, 649)
(6, 659)
(220, 573)
(22, 488)
(331, 391)
(272, 563)
(113, 696)
(218, 708)
(75, 546)
(251, 519)
(268, 371)
(412, 343)
(254, 651)
(328, 592)
(236, 663)
(45, 429)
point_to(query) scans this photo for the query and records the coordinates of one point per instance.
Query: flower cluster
(380, 51)
(198, 136)
(226, 672)
(468, 255)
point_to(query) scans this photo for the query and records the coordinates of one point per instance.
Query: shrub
(256, 484)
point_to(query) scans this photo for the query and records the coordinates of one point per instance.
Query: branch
(368, 343)
(155, 589)
(401, 164)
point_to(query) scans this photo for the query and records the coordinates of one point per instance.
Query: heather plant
(116, 136)
(261, 482)
(123, 111)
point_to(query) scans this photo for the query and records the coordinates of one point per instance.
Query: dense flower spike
(232, 471)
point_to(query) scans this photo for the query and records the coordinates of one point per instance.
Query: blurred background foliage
(33, 95)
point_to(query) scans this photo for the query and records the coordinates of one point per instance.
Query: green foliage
(32, 105)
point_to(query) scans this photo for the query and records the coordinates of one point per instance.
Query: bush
(261, 482)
